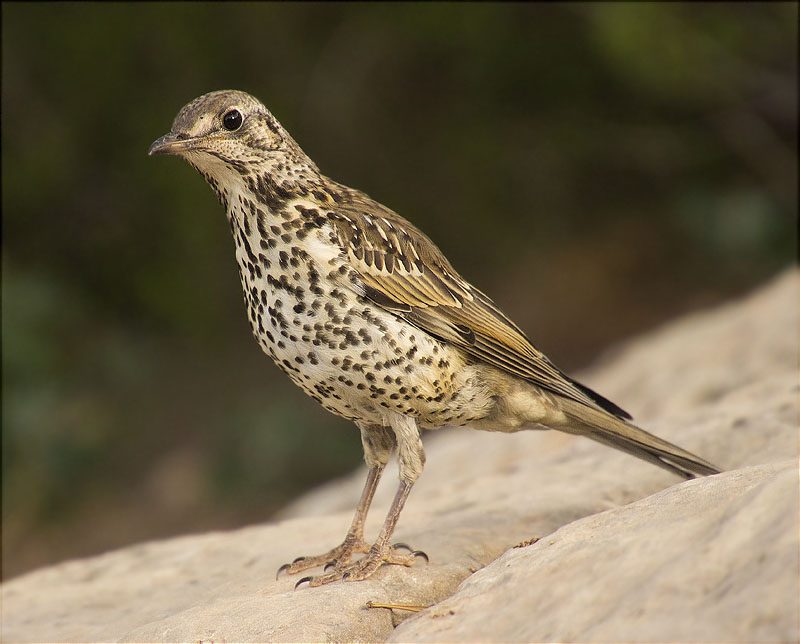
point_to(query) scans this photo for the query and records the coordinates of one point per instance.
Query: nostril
(181, 136)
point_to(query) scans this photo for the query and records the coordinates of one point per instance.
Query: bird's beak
(171, 144)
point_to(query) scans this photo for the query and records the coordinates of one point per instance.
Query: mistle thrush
(363, 312)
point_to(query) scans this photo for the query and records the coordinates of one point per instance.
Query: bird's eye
(232, 120)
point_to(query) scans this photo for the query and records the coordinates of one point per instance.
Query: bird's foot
(362, 568)
(339, 556)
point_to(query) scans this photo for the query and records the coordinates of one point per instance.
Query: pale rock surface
(626, 553)
(702, 561)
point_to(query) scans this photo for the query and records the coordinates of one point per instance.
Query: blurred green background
(596, 168)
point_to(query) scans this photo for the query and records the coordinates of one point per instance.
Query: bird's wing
(403, 271)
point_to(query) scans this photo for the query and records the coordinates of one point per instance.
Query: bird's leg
(378, 443)
(381, 551)
(411, 458)
(353, 541)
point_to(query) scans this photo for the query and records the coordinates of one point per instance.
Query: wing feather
(403, 271)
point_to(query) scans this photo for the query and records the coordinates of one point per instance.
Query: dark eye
(232, 120)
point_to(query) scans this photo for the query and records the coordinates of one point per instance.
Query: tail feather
(615, 432)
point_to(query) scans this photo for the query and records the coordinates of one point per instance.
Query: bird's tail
(605, 428)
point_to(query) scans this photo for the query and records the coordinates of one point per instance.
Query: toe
(353, 571)
(281, 569)
(304, 580)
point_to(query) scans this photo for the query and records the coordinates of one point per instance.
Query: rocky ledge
(537, 536)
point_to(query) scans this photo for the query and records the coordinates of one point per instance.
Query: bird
(364, 313)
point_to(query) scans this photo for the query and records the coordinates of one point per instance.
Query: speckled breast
(353, 357)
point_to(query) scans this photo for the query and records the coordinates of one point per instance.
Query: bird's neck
(269, 183)
(268, 196)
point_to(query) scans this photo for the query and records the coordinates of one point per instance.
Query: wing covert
(403, 271)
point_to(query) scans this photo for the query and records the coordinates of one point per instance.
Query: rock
(619, 557)
(703, 561)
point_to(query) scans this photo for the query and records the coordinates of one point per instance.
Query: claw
(281, 569)
(345, 576)
(402, 545)
(420, 553)
(298, 559)
(329, 565)
(302, 581)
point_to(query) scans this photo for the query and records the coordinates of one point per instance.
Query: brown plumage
(367, 315)
(414, 279)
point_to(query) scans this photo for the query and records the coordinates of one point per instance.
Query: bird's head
(228, 133)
